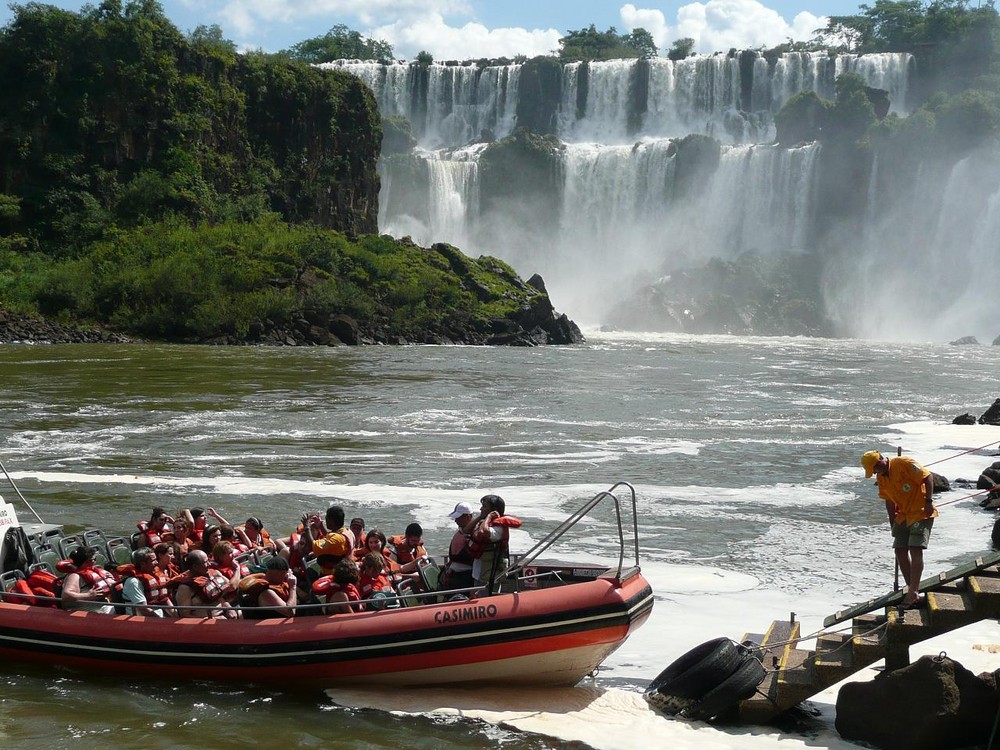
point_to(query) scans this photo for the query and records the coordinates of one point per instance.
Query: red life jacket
(367, 585)
(327, 587)
(156, 587)
(150, 537)
(47, 586)
(97, 579)
(212, 589)
(479, 542)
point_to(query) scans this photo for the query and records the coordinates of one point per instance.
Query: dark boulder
(933, 704)
(966, 418)
(941, 483)
(965, 341)
(344, 328)
(991, 415)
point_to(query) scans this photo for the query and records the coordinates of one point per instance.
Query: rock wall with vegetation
(162, 186)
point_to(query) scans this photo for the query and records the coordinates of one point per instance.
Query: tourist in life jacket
(224, 561)
(409, 546)
(375, 541)
(166, 560)
(87, 587)
(209, 538)
(256, 537)
(143, 590)
(372, 577)
(358, 529)
(155, 530)
(271, 593)
(184, 540)
(489, 540)
(202, 587)
(457, 573)
(340, 589)
(330, 543)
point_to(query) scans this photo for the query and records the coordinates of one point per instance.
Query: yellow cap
(869, 460)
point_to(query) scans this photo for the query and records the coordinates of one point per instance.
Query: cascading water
(624, 214)
(913, 274)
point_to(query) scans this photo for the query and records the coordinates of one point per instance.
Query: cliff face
(110, 117)
(323, 131)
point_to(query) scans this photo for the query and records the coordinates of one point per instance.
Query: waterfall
(451, 192)
(447, 105)
(620, 211)
(450, 105)
(913, 273)
(622, 214)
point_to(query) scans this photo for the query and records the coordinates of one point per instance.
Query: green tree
(642, 42)
(591, 44)
(210, 39)
(681, 48)
(424, 58)
(341, 43)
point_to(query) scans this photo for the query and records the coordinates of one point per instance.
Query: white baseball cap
(460, 510)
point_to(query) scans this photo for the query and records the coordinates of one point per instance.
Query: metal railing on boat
(524, 560)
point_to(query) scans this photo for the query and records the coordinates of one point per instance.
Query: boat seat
(119, 551)
(42, 566)
(430, 577)
(8, 579)
(96, 538)
(48, 537)
(407, 591)
(67, 544)
(50, 558)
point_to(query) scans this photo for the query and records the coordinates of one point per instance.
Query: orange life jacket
(327, 587)
(367, 585)
(22, 594)
(211, 589)
(156, 587)
(97, 579)
(479, 542)
(47, 586)
(405, 553)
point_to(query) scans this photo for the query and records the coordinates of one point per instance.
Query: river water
(744, 453)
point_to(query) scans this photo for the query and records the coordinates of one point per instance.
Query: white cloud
(718, 25)
(250, 17)
(651, 20)
(445, 42)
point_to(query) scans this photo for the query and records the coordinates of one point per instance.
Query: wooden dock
(878, 629)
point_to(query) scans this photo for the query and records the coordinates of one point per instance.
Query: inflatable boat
(551, 624)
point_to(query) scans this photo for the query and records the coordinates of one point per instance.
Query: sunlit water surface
(744, 453)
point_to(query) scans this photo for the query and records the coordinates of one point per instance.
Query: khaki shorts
(917, 534)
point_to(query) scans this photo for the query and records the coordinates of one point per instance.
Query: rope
(971, 450)
(966, 497)
(817, 634)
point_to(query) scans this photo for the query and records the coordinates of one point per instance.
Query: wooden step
(952, 607)
(982, 563)
(868, 633)
(985, 591)
(834, 658)
(797, 678)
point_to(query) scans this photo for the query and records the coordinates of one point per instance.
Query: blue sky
(461, 29)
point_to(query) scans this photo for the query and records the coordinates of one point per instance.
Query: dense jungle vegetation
(167, 186)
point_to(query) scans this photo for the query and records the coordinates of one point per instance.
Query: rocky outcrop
(991, 415)
(965, 341)
(933, 704)
(752, 295)
(17, 328)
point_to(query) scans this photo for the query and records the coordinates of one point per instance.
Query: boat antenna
(4, 469)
